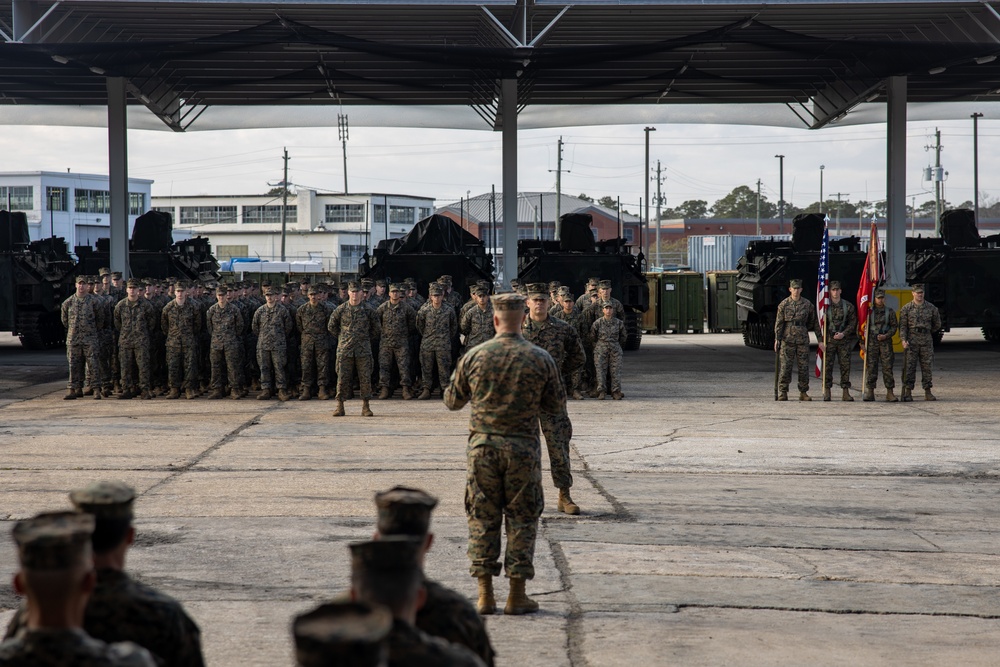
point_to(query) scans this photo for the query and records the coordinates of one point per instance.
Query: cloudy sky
(698, 161)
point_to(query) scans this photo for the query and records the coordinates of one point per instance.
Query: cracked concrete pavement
(718, 526)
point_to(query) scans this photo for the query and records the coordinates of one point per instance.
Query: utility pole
(821, 202)
(659, 222)
(937, 182)
(975, 160)
(642, 237)
(284, 205)
(559, 171)
(846, 194)
(758, 207)
(781, 193)
(342, 132)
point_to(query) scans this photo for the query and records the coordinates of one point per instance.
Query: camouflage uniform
(794, 321)
(509, 382)
(271, 326)
(182, 326)
(840, 318)
(562, 342)
(437, 327)
(450, 616)
(314, 345)
(135, 320)
(477, 325)
(69, 647)
(224, 327)
(397, 323)
(917, 325)
(574, 379)
(410, 647)
(882, 321)
(608, 337)
(83, 317)
(123, 609)
(355, 327)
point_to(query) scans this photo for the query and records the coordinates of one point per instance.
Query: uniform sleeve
(466, 322)
(411, 319)
(904, 323)
(779, 322)
(64, 313)
(452, 323)
(255, 327)
(421, 321)
(151, 320)
(576, 357)
(891, 322)
(376, 327)
(165, 318)
(553, 401)
(118, 315)
(333, 324)
(99, 315)
(622, 334)
(458, 392)
(851, 321)
(936, 320)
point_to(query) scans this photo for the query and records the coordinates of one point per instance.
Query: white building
(74, 206)
(334, 230)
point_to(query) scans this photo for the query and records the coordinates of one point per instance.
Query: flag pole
(864, 355)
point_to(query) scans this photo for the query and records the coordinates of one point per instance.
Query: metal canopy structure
(819, 59)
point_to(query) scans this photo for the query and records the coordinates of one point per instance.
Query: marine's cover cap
(342, 633)
(879, 292)
(392, 553)
(404, 511)
(353, 286)
(835, 284)
(396, 287)
(554, 285)
(917, 288)
(795, 282)
(507, 301)
(604, 284)
(538, 289)
(105, 500)
(104, 271)
(54, 540)
(435, 289)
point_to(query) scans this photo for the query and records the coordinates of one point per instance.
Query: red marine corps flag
(871, 277)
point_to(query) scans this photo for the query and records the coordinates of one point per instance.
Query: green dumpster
(682, 302)
(651, 318)
(722, 301)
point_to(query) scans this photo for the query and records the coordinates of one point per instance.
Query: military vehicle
(154, 254)
(35, 278)
(436, 246)
(767, 266)
(576, 257)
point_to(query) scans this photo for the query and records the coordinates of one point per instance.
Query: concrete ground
(719, 526)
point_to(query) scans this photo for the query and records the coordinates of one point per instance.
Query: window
(57, 199)
(136, 203)
(401, 214)
(378, 213)
(268, 214)
(345, 213)
(230, 251)
(629, 234)
(91, 201)
(207, 215)
(425, 212)
(546, 233)
(169, 210)
(22, 197)
(350, 255)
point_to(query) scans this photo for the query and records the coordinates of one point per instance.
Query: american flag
(823, 292)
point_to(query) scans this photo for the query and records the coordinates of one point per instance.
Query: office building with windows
(335, 230)
(74, 206)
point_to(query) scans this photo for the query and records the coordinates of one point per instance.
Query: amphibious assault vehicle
(35, 278)
(576, 256)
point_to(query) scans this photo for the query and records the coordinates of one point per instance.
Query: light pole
(644, 241)
(781, 193)
(821, 168)
(975, 160)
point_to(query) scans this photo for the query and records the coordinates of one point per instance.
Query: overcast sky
(698, 161)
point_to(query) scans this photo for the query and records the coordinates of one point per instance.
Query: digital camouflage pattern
(398, 322)
(437, 327)
(226, 357)
(272, 325)
(83, 317)
(63, 648)
(880, 353)
(123, 610)
(410, 647)
(314, 343)
(356, 328)
(135, 321)
(794, 321)
(608, 336)
(509, 382)
(477, 325)
(182, 326)
(840, 318)
(917, 325)
(450, 616)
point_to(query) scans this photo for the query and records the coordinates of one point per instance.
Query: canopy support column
(508, 101)
(118, 174)
(895, 241)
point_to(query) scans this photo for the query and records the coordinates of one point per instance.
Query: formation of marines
(144, 338)
(916, 324)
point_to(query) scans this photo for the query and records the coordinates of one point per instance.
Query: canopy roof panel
(816, 60)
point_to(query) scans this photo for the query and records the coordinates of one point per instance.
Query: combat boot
(283, 395)
(803, 396)
(928, 396)
(323, 395)
(79, 393)
(89, 391)
(425, 394)
(174, 393)
(565, 504)
(783, 396)
(190, 394)
(826, 394)
(487, 603)
(306, 394)
(264, 395)
(217, 393)
(847, 395)
(98, 395)
(869, 395)
(907, 395)
(384, 394)
(518, 601)
(890, 397)
(70, 395)
(366, 410)
(146, 395)
(577, 396)
(235, 394)
(125, 395)
(407, 393)
(339, 412)
(617, 395)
